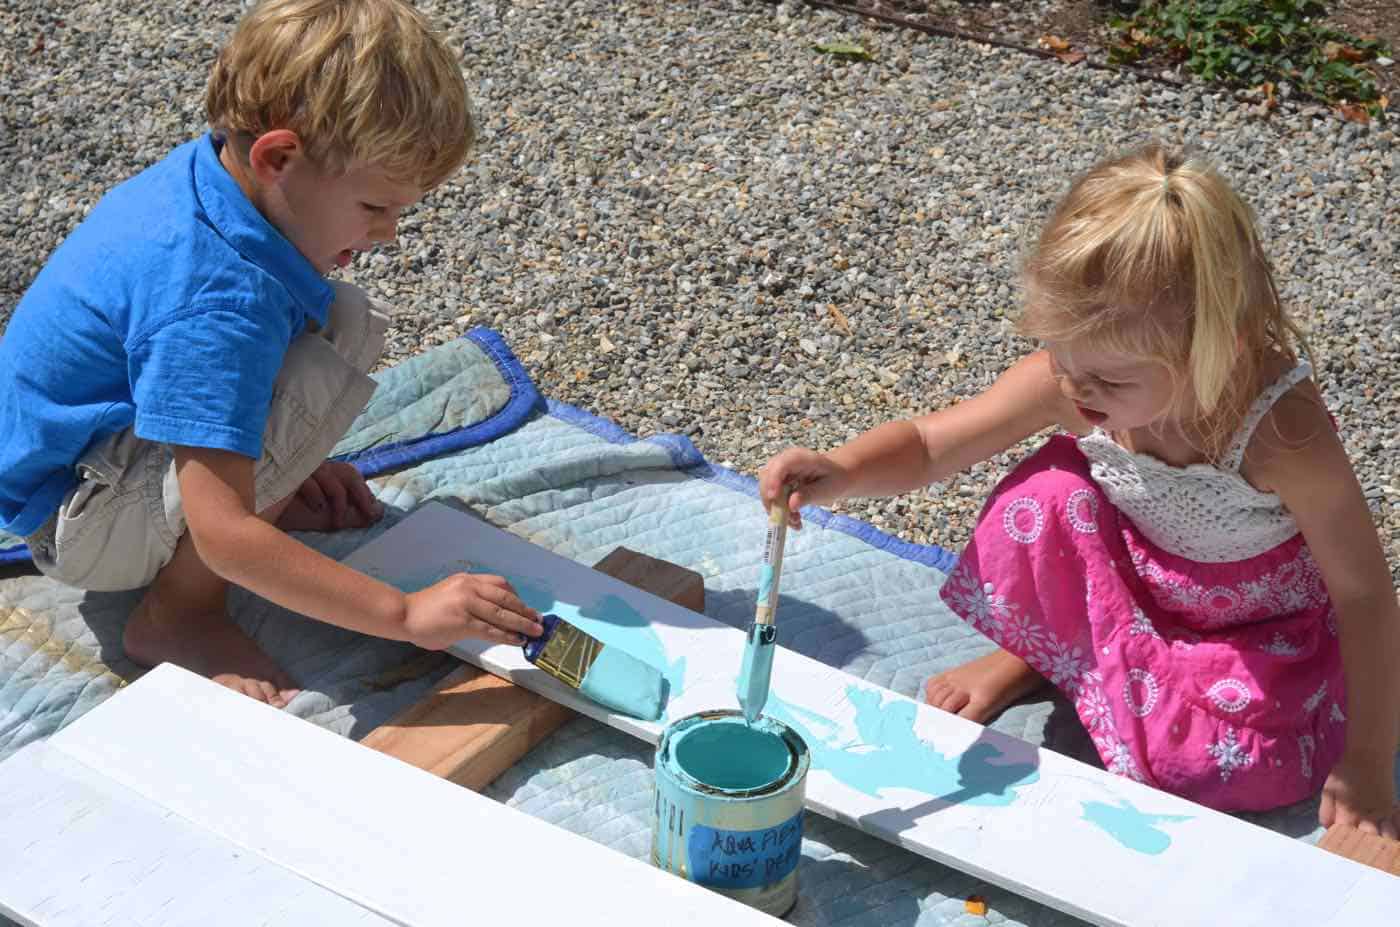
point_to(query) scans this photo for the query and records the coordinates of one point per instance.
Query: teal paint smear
(888, 754)
(1131, 827)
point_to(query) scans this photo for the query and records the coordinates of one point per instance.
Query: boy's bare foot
(980, 689)
(208, 643)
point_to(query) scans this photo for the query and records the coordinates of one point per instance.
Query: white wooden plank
(78, 850)
(411, 847)
(1062, 832)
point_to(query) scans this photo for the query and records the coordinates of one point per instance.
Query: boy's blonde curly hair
(362, 82)
(1153, 254)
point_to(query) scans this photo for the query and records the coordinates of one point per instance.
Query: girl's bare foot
(980, 689)
(209, 643)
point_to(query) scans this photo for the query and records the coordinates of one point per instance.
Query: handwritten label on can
(745, 858)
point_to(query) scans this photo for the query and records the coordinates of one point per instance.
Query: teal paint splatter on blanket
(888, 754)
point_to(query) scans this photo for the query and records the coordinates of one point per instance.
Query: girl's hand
(1360, 793)
(814, 479)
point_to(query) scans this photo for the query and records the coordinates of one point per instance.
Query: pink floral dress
(1178, 608)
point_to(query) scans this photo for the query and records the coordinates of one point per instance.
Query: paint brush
(762, 639)
(609, 676)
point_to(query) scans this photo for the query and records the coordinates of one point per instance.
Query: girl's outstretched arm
(1298, 455)
(902, 455)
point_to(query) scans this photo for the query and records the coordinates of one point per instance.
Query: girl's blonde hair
(1153, 254)
(362, 82)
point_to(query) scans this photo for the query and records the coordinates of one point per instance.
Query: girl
(1190, 559)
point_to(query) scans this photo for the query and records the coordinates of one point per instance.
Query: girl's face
(1112, 390)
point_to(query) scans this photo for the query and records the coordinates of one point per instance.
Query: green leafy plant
(1256, 43)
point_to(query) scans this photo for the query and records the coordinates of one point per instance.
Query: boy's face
(328, 217)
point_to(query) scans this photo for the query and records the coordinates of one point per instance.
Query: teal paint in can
(729, 806)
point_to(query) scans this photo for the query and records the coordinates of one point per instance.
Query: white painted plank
(1069, 835)
(78, 850)
(411, 847)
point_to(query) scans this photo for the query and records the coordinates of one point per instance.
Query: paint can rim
(798, 761)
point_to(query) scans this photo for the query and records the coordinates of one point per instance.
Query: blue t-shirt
(169, 309)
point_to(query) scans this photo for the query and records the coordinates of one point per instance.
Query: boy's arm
(216, 489)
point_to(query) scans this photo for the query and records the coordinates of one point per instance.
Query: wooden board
(394, 840)
(1064, 833)
(473, 726)
(1368, 849)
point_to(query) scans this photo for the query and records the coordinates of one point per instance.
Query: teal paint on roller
(728, 812)
(761, 642)
(610, 676)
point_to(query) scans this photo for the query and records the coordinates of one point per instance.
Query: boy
(173, 379)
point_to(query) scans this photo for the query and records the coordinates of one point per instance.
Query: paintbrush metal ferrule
(563, 651)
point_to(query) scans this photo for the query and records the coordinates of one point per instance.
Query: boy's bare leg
(183, 619)
(980, 689)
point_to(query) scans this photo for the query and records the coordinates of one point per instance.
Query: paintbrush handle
(772, 569)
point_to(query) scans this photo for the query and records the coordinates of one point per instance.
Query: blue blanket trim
(524, 401)
(687, 457)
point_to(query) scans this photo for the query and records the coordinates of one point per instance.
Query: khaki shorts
(120, 524)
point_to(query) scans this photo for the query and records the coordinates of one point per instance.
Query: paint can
(729, 806)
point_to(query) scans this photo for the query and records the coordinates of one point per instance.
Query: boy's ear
(272, 153)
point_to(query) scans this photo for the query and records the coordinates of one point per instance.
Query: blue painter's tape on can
(729, 806)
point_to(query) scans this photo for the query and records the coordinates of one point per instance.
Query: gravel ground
(685, 218)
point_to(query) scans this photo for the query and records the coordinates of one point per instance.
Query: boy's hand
(1360, 793)
(469, 605)
(816, 480)
(339, 493)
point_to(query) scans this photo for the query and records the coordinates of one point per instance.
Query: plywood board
(1070, 835)
(398, 842)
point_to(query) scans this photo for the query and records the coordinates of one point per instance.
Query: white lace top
(1203, 512)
